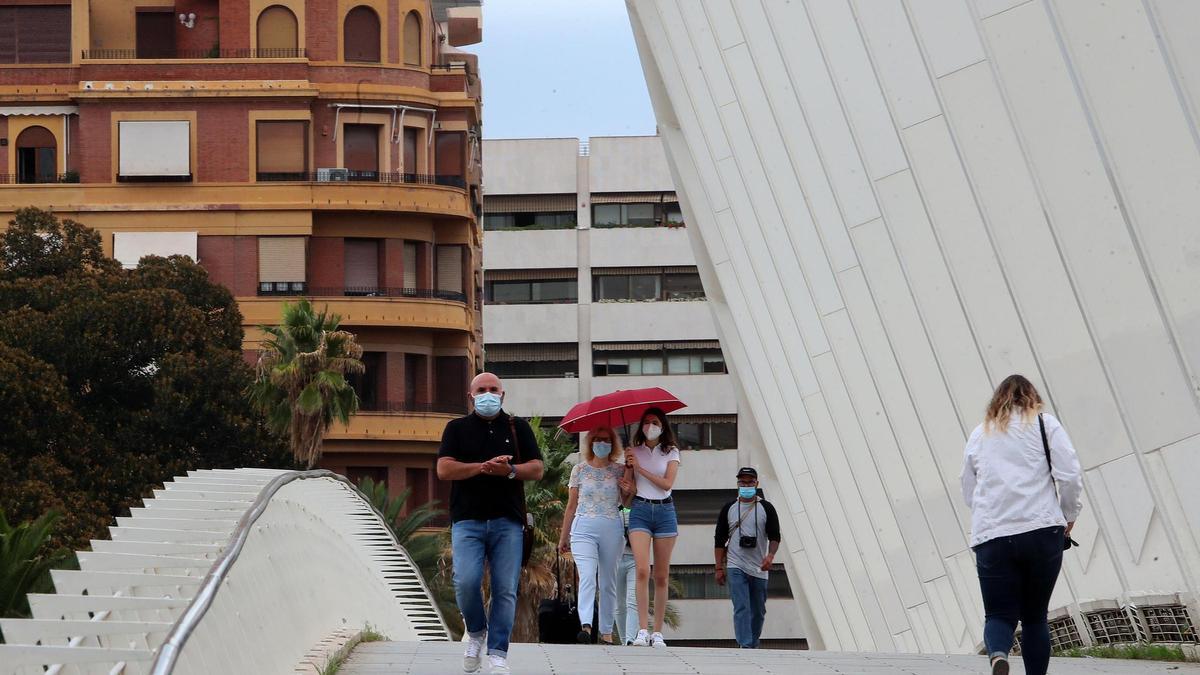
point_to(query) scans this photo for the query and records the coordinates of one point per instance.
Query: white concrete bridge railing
(225, 571)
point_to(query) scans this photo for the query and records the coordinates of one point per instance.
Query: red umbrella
(618, 408)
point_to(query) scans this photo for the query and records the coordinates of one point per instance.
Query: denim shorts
(657, 520)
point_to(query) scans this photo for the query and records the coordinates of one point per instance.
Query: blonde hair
(618, 451)
(1016, 394)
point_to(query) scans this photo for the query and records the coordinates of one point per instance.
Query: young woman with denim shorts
(652, 464)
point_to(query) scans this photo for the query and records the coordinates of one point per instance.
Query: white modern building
(894, 204)
(591, 286)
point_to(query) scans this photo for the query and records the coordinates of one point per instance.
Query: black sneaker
(1000, 666)
(585, 635)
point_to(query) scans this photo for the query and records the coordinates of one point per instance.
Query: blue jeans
(596, 545)
(498, 542)
(1017, 575)
(749, 595)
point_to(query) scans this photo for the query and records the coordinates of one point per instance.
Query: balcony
(365, 292)
(202, 200)
(193, 54)
(399, 309)
(387, 425)
(348, 176)
(531, 323)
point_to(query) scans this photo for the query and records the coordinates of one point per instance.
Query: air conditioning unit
(333, 175)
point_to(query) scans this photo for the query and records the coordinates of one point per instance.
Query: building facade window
(37, 156)
(361, 36)
(449, 271)
(716, 432)
(154, 30)
(646, 284)
(154, 150)
(360, 151)
(636, 210)
(278, 33)
(281, 265)
(698, 582)
(412, 39)
(561, 220)
(281, 150)
(656, 359)
(366, 384)
(35, 34)
(361, 260)
(528, 360)
(544, 291)
(449, 149)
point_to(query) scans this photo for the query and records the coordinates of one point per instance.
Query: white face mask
(651, 431)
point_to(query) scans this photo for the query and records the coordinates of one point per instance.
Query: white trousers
(596, 544)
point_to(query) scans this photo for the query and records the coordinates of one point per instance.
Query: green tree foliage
(113, 380)
(25, 557)
(300, 384)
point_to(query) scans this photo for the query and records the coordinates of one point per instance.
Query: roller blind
(530, 275)
(281, 259)
(155, 148)
(130, 247)
(449, 269)
(539, 351)
(410, 265)
(282, 146)
(634, 198)
(528, 203)
(277, 32)
(362, 263)
(35, 34)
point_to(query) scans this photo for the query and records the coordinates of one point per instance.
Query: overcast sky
(561, 68)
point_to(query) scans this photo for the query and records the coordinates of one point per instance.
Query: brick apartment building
(322, 148)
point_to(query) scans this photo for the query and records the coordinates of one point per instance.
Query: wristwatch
(512, 472)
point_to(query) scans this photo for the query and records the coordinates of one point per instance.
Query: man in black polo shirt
(487, 454)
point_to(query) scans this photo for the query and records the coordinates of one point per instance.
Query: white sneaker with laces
(471, 655)
(498, 664)
(642, 639)
(656, 640)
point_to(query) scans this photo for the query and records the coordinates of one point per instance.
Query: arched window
(37, 156)
(278, 34)
(412, 39)
(360, 35)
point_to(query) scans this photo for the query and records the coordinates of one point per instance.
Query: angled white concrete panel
(897, 203)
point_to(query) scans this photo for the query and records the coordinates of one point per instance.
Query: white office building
(897, 203)
(591, 286)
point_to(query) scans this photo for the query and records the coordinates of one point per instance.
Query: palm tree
(24, 561)
(301, 382)
(428, 550)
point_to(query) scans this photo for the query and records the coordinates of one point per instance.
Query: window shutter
(360, 147)
(362, 263)
(412, 39)
(130, 247)
(449, 269)
(410, 265)
(449, 153)
(277, 32)
(8, 34)
(43, 34)
(154, 148)
(360, 39)
(281, 259)
(282, 146)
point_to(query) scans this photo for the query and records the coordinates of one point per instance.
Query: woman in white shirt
(593, 531)
(652, 464)
(1019, 525)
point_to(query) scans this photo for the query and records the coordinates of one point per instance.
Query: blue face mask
(601, 449)
(487, 404)
(747, 492)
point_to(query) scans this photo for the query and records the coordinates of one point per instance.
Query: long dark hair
(666, 441)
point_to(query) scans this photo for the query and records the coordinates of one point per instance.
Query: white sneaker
(642, 639)
(471, 655)
(498, 664)
(656, 640)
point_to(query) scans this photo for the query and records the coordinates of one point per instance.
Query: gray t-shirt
(756, 520)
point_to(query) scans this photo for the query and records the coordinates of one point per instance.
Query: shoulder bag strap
(512, 428)
(1046, 448)
(741, 517)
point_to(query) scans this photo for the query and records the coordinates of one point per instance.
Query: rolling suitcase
(558, 620)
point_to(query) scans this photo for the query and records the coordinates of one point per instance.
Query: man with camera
(751, 525)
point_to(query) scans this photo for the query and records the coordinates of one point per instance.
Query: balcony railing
(132, 54)
(366, 292)
(349, 176)
(435, 408)
(17, 179)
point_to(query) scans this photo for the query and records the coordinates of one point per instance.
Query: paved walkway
(445, 658)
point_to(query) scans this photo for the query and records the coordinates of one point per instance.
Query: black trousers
(1017, 575)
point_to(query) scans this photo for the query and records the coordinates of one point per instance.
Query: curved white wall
(897, 203)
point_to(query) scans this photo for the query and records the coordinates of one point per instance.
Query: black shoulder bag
(526, 517)
(1068, 542)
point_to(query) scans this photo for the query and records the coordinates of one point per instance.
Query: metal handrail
(169, 650)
